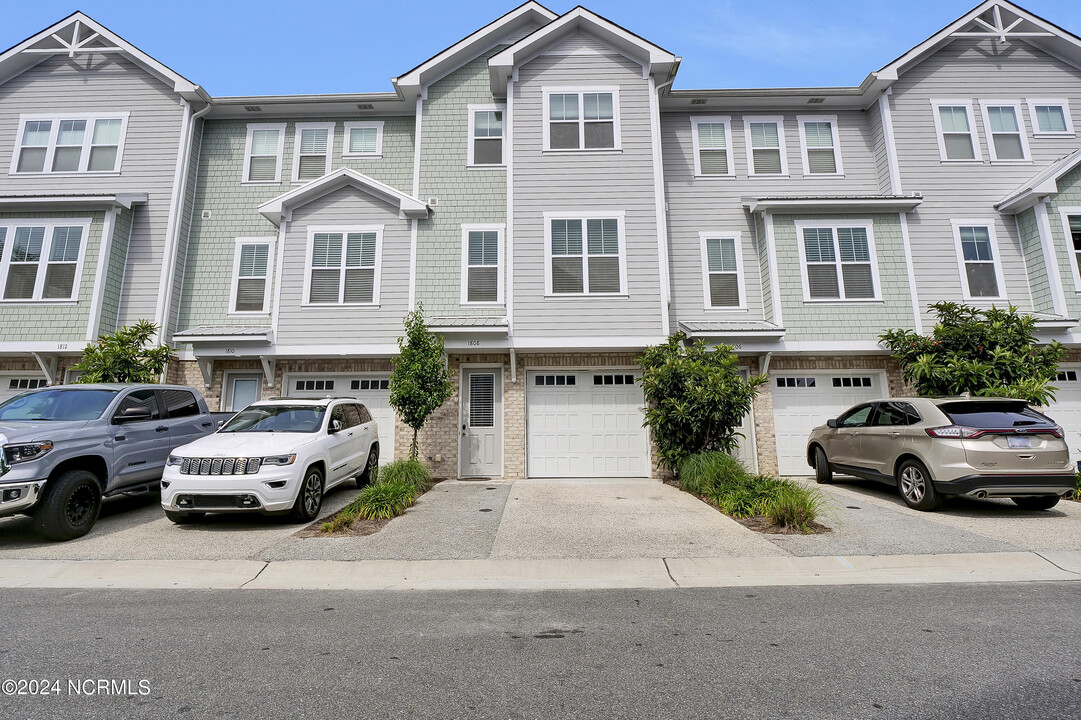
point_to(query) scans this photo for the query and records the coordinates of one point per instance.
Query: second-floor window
(582, 120)
(1071, 225)
(981, 276)
(765, 145)
(821, 151)
(1006, 133)
(721, 265)
(251, 275)
(83, 144)
(263, 153)
(41, 260)
(482, 266)
(838, 262)
(710, 140)
(311, 155)
(344, 267)
(585, 256)
(485, 135)
(956, 138)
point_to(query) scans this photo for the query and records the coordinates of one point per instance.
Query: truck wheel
(309, 497)
(1038, 502)
(183, 518)
(70, 507)
(371, 468)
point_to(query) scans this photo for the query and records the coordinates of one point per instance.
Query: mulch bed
(358, 528)
(763, 524)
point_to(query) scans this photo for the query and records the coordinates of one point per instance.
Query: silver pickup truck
(65, 448)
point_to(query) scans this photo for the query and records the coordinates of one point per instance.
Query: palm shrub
(125, 356)
(411, 472)
(385, 500)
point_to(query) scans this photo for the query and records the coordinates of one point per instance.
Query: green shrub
(1076, 495)
(702, 473)
(386, 500)
(795, 506)
(411, 472)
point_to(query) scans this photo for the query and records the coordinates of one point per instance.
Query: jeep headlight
(16, 453)
(174, 460)
(280, 460)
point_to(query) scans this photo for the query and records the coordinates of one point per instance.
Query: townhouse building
(555, 206)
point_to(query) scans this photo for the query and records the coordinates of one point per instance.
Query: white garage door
(802, 402)
(1066, 410)
(373, 391)
(12, 385)
(585, 423)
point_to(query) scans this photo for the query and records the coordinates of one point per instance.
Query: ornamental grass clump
(411, 472)
(795, 506)
(385, 500)
(702, 473)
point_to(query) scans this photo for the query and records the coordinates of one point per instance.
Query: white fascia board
(826, 205)
(123, 200)
(408, 207)
(1045, 183)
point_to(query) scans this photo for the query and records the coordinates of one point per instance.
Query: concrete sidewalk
(543, 574)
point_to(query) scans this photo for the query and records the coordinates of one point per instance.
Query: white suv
(274, 456)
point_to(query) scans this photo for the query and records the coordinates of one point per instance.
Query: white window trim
(343, 230)
(868, 227)
(473, 109)
(725, 120)
(297, 129)
(240, 243)
(1022, 130)
(466, 229)
(54, 129)
(43, 263)
(227, 385)
(620, 217)
(706, 298)
(936, 103)
(1061, 102)
(779, 119)
(802, 121)
(246, 172)
(988, 223)
(1064, 215)
(350, 127)
(617, 140)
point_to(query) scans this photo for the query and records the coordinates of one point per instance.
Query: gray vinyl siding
(328, 324)
(762, 263)
(1069, 196)
(569, 182)
(806, 320)
(114, 274)
(186, 210)
(234, 207)
(878, 147)
(1037, 269)
(98, 84)
(975, 70)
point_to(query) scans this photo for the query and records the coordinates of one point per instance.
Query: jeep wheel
(70, 507)
(371, 468)
(917, 488)
(823, 474)
(183, 518)
(1037, 502)
(309, 497)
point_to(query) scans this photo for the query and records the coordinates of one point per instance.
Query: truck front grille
(220, 466)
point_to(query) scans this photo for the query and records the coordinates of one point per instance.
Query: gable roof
(408, 206)
(77, 34)
(1043, 183)
(658, 62)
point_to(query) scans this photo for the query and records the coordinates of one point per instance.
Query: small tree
(420, 382)
(697, 398)
(982, 352)
(125, 356)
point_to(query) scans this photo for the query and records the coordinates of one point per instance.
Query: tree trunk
(413, 446)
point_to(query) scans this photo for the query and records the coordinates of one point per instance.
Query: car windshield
(68, 404)
(994, 414)
(277, 418)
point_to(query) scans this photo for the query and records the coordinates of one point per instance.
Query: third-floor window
(311, 154)
(586, 119)
(75, 144)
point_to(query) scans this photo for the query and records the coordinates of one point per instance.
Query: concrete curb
(596, 574)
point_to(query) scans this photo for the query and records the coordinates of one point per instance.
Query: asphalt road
(936, 651)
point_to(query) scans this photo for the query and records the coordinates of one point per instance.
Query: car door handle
(207, 424)
(161, 428)
(120, 438)
(894, 434)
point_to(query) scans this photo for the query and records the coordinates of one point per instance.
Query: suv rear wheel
(70, 507)
(823, 474)
(917, 488)
(371, 468)
(1038, 502)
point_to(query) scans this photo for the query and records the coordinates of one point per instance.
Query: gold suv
(931, 448)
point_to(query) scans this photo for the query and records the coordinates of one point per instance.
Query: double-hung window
(311, 151)
(263, 153)
(1005, 131)
(251, 275)
(1071, 228)
(711, 140)
(585, 255)
(482, 264)
(722, 269)
(821, 150)
(838, 261)
(40, 260)
(977, 253)
(344, 266)
(363, 139)
(485, 135)
(582, 119)
(765, 145)
(956, 136)
(78, 144)
(1050, 117)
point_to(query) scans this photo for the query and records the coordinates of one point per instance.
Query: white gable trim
(408, 207)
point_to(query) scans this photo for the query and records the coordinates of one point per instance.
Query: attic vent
(815, 101)
(253, 108)
(698, 101)
(365, 106)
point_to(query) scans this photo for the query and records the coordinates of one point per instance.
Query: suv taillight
(960, 431)
(950, 431)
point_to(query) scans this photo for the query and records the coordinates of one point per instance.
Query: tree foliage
(125, 356)
(420, 382)
(696, 398)
(982, 352)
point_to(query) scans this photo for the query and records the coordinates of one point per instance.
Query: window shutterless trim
(977, 155)
(500, 229)
(801, 121)
(619, 216)
(580, 90)
(707, 297)
(471, 141)
(868, 227)
(779, 121)
(1022, 130)
(237, 253)
(367, 124)
(297, 132)
(996, 259)
(246, 171)
(1064, 215)
(43, 262)
(1063, 103)
(725, 120)
(88, 136)
(344, 231)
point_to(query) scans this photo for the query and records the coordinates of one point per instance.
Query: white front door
(482, 423)
(243, 391)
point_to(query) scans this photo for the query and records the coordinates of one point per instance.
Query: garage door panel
(12, 385)
(1066, 409)
(372, 391)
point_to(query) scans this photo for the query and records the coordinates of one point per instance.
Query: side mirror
(335, 426)
(221, 423)
(832, 422)
(134, 414)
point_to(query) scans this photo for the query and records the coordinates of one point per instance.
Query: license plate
(1019, 442)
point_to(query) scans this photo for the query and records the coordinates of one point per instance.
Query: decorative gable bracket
(1018, 27)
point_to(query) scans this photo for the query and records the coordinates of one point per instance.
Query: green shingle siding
(1037, 269)
(1069, 195)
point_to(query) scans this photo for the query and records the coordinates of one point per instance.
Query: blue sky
(237, 47)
